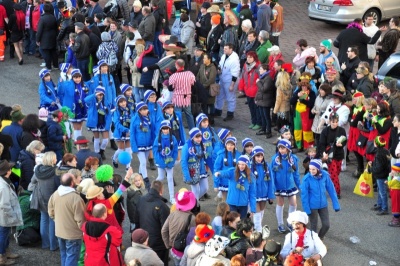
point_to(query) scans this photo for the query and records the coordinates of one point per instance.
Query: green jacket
(262, 52)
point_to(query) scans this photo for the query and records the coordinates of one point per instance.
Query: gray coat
(147, 28)
(187, 36)
(10, 214)
(44, 180)
(320, 106)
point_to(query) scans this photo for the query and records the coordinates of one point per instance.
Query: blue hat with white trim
(231, 139)
(199, 118)
(222, 133)
(147, 95)
(257, 150)
(96, 69)
(76, 72)
(244, 159)
(119, 97)
(193, 132)
(247, 141)
(64, 67)
(124, 87)
(317, 163)
(140, 105)
(165, 123)
(285, 143)
(43, 72)
(167, 103)
(100, 89)
(102, 62)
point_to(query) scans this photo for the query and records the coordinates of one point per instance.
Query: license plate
(324, 8)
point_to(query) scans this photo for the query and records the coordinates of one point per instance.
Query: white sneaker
(43, 65)
(172, 201)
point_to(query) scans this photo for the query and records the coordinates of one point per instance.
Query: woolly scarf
(125, 116)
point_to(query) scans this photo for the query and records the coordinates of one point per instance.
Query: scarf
(312, 70)
(79, 94)
(240, 182)
(174, 120)
(286, 157)
(300, 241)
(247, 46)
(101, 109)
(125, 116)
(145, 123)
(130, 103)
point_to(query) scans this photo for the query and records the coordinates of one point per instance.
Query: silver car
(345, 11)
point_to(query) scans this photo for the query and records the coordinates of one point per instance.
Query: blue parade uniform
(99, 114)
(155, 114)
(73, 96)
(209, 138)
(264, 182)
(130, 103)
(286, 180)
(122, 120)
(193, 167)
(106, 81)
(48, 94)
(141, 133)
(176, 126)
(165, 151)
(224, 161)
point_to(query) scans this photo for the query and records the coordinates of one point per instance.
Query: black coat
(151, 214)
(394, 141)
(67, 27)
(237, 246)
(212, 41)
(7, 142)
(54, 136)
(81, 46)
(266, 92)
(205, 27)
(327, 141)
(351, 65)
(132, 200)
(381, 165)
(27, 138)
(365, 86)
(47, 31)
(82, 155)
(27, 161)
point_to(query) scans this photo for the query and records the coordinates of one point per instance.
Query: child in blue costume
(226, 159)
(104, 79)
(48, 92)
(150, 98)
(99, 119)
(126, 90)
(264, 183)
(165, 150)
(242, 187)
(72, 94)
(314, 186)
(193, 167)
(223, 133)
(141, 138)
(247, 145)
(122, 122)
(65, 72)
(286, 178)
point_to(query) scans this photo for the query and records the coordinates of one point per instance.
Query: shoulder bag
(214, 88)
(180, 239)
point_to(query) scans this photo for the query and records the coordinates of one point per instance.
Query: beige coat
(175, 223)
(282, 102)
(67, 209)
(136, 75)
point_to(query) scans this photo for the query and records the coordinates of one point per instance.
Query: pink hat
(185, 201)
(43, 114)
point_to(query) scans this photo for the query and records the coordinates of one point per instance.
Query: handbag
(35, 205)
(371, 149)
(361, 141)
(364, 185)
(180, 239)
(214, 89)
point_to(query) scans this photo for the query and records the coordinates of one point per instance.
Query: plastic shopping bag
(364, 185)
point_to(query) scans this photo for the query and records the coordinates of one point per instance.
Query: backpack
(112, 9)
(180, 239)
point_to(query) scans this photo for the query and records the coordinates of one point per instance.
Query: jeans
(48, 231)
(242, 210)
(30, 42)
(324, 215)
(50, 56)
(255, 119)
(138, 93)
(265, 115)
(382, 194)
(188, 113)
(83, 66)
(70, 251)
(4, 239)
(158, 48)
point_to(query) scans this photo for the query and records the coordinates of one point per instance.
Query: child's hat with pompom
(204, 232)
(104, 173)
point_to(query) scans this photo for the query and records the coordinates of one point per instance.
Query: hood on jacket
(195, 249)
(96, 228)
(63, 190)
(189, 23)
(44, 171)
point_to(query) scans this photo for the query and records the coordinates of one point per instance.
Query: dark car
(390, 68)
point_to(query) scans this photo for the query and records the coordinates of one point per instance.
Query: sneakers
(395, 222)
(376, 208)
(382, 212)
(251, 126)
(256, 127)
(115, 164)
(290, 227)
(43, 65)
(172, 201)
(281, 229)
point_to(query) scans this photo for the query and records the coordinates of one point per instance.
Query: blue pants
(30, 42)
(138, 93)
(48, 232)
(255, 117)
(265, 114)
(83, 66)
(4, 239)
(382, 194)
(70, 251)
(158, 49)
(188, 113)
(226, 95)
(240, 209)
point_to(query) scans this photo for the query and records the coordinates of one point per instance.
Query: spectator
(15, 131)
(262, 49)
(27, 159)
(349, 66)
(203, 24)
(204, 232)
(320, 105)
(66, 27)
(255, 252)
(7, 142)
(264, 16)
(84, 152)
(276, 21)
(108, 51)
(119, 39)
(91, 165)
(212, 44)
(302, 52)
(283, 94)
(67, 209)
(46, 36)
(326, 54)
(81, 48)
(136, 14)
(229, 35)
(314, 70)
(16, 25)
(187, 34)
(94, 8)
(91, 25)
(31, 132)
(95, 42)
(3, 37)
(240, 239)
(213, 252)
(147, 26)
(55, 135)
(207, 76)
(387, 88)
(369, 28)
(275, 56)
(365, 84)
(389, 42)
(68, 162)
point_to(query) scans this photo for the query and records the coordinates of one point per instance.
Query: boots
(147, 183)
(113, 145)
(5, 261)
(217, 113)
(152, 165)
(229, 116)
(211, 120)
(395, 222)
(11, 255)
(103, 156)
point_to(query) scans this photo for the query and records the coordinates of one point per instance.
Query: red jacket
(102, 242)
(248, 81)
(35, 18)
(271, 61)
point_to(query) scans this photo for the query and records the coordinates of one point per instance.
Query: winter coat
(44, 178)
(230, 68)
(72, 95)
(124, 9)
(94, 10)
(299, 59)
(136, 16)
(219, 164)
(179, 133)
(313, 192)
(206, 76)
(247, 83)
(192, 166)
(264, 17)
(147, 28)
(102, 242)
(381, 165)
(212, 40)
(81, 46)
(93, 114)
(238, 245)
(328, 140)
(119, 127)
(176, 28)
(165, 151)
(155, 117)
(106, 81)
(15, 131)
(35, 18)
(28, 137)
(95, 42)
(47, 30)
(229, 35)
(284, 177)
(82, 155)
(365, 86)
(136, 74)
(105, 49)
(192, 253)
(239, 197)
(227, 231)
(187, 36)
(175, 223)
(151, 214)
(351, 65)
(144, 254)
(67, 27)
(266, 91)
(393, 100)
(27, 161)
(133, 195)
(311, 240)
(262, 52)
(11, 214)
(394, 141)
(244, 13)
(47, 93)
(54, 136)
(265, 188)
(205, 21)
(320, 105)
(140, 135)
(7, 142)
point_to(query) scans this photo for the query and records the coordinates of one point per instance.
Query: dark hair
(244, 225)
(302, 43)
(265, 66)
(229, 216)
(247, 171)
(78, 17)
(252, 32)
(354, 49)
(89, 20)
(68, 157)
(358, 20)
(5, 113)
(326, 88)
(184, 17)
(255, 239)
(208, 55)
(396, 21)
(48, 8)
(310, 59)
(31, 123)
(385, 111)
(279, 62)
(55, 113)
(369, 15)
(99, 16)
(157, 185)
(230, 45)
(202, 218)
(130, 35)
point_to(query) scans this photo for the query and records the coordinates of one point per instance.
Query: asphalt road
(378, 242)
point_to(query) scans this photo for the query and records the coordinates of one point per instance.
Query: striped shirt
(182, 83)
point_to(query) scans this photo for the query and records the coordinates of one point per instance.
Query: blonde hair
(35, 145)
(131, 181)
(135, 262)
(283, 81)
(75, 172)
(139, 49)
(359, 101)
(222, 208)
(49, 158)
(1, 149)
(367, 66)
(370, 101)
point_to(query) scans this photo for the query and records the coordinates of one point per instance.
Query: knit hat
(358, 94)
(76, 72)
(139, 236)
(100, 89)
(216, 19)
(327, 44)
(390, 82)
(93, 192)
(203, 233)
(43, 73)
(396, 167)
(165, 123)
(105, 36)
(231, 139)
(215, 245)
(79, 25)
(119, 97)
(285, 143)
(43, 114)
(16, 113)
(185, 200)
(140, 105)
(104, 173)
(362, 70)
(124, 87)
(257, 150)
(101, 62)
(95, 69)
(199, 118)
(380, 141)
(298, 216)
(284, 129)
(294, 259)
(167, 103)
(193, 132)
(85, 185)
(244, 159)
(317, 163)
(247, 141)
(223, 132)
(137, 4)
(64, 67)
(147, 95)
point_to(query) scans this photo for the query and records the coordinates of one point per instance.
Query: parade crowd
(55, 190)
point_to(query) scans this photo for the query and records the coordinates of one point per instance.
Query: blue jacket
(68, 97)
(313, 192)
(236, 196)
(191, 163)
(15, 131)
(155, 114)
(181, 129)
(219, 165)
(146, 77)
(218, 146)
(265, 188)
(47, 93)
(71, 59)
(93, 114)
(119, 128)
(102, 80)
(163, 155)
(140, 138)
(54, 135)
(283, 176)
(210, 138)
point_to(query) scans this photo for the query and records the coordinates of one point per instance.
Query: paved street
(378, 242)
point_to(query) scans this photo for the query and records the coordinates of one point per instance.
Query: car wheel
(376, 14)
